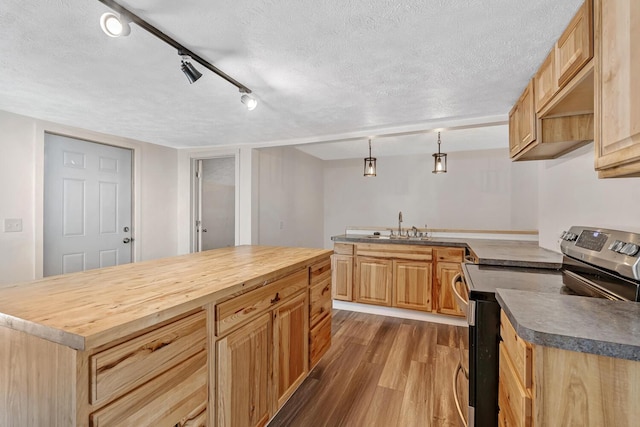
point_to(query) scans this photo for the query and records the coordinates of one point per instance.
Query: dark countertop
(587, 325)
(483, 280)
(511, 253)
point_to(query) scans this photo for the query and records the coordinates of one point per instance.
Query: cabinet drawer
(319, 340)
(119, 369)
(234, 312)
(514, 401)
(519, 351)
(409, 252)
(450, 254)
(343, 248)
(320, 272)
(320, 301)
(179, 396)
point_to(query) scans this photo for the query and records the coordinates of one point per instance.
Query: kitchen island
(214, 338)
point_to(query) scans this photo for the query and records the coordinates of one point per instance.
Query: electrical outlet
(281, 225)
(12, 225)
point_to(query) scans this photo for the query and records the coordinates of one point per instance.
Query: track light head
(114, 25)
(248, 100)
(190, 71)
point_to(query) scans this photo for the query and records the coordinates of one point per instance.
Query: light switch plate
(12, 225)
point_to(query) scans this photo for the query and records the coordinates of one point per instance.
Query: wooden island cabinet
(542, 386)
(409, 276)
(220, 338)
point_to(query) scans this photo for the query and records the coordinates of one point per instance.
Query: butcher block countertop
(88, 309)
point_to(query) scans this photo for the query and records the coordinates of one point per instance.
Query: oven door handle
(455, 393)
(462, 302)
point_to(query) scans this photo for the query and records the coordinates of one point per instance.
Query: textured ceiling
(317, 67)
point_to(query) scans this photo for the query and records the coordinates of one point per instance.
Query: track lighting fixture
(439, 160)
(189, 70)
(249, 101)
(115, 26)
(370, 164)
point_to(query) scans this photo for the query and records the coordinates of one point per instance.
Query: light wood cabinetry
(575, 46)
(617, 100)
(448, 264)
(262, 351)
(373, 280)
(412, 285)
(414, 277)
(320, 304)
(523, 117)
(291, 351)
(243, 361)
(554, 114)
(515, 383)
(212, 339)
(545, 81)
(342, 272)
(550, 387)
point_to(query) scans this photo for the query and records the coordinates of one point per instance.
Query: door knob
(126, 240)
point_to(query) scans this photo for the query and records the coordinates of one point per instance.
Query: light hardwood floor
(380, 371)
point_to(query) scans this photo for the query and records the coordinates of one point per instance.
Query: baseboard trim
(399, 312)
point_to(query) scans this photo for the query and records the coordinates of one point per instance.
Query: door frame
(46, 127)
(195, 194)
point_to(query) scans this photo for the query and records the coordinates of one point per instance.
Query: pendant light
(370, 164)
(439, 160)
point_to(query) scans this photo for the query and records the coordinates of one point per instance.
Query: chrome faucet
(415, 231)
(400, 223)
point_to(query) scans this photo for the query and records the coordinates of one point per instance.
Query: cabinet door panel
(617, 106)
(374, 280)
(575, 46)
(291, 346)
(527, 117)
(244, 375)
(446, 299)
(412, 285)
(342, 277)
(546, 83)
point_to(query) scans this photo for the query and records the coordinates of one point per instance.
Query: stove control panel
(613, 250)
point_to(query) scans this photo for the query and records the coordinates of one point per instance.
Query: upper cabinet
(554, 114)
(617, 88)
(575, 46)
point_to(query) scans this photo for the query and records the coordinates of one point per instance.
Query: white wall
(21, 162)
(572, 194)
(482, 190)
(290, 198)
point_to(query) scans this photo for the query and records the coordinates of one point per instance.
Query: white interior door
(87, 205)
(215, 203)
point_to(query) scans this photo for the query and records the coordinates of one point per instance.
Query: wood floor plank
(384, 410)
(444, 409)
(419, 396)
(396, 370)
(382, 342)
(379, 372)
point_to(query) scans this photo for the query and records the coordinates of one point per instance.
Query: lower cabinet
(342, 277)
(291, 347)
(244, 375)
(414, 277)
(373, 280)
(261, 362)
(412, 285)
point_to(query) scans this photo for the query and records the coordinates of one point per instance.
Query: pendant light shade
(439, 160)
(370, 164)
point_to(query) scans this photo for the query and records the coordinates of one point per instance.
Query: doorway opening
(88, 200)
(214, 203)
